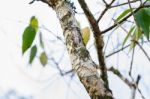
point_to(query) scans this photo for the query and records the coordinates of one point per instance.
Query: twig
(132, 84)
(60, 39)
(122, 4)
(33, 1)
(121, 49)
(124, 19)
(131, 65)
(125, 80)
(67, 72)
(145, 53)
(135, 87)
(141, 93)
(105, 2)
(105, 10)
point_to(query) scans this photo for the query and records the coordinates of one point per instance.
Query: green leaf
(34, 22)
(143, 20)
(28, 37)
(123, 14)
(129, 34)
(33, 53)
(43, 58)
(85, 34)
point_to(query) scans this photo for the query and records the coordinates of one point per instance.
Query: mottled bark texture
(80, 58)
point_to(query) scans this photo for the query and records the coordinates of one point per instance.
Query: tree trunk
(80, 58)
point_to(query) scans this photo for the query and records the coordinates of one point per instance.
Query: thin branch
(121, 49)
(67, 72)
(105, 2)
(60, 39)
(125, 80)
(132, 84)
(122, 4)
(105, 10)
(135, 87)
(141, 94)
(117, 51)
(31, 2)
(124, 19)
(56, 64)
(131, 8)
(145, 53)
(109, 6)
(98, 39)
(131, 65)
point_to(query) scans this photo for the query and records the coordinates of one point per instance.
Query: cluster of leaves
(141, 28)
(29, 35)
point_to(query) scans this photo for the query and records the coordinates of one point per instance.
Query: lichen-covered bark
(80, 58)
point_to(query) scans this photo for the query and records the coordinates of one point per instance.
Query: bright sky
(46, 83)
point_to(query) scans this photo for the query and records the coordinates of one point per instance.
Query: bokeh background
(20, 80)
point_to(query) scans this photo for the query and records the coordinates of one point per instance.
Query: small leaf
(33, 53)
(85, 34)
(123, 14)
(28, 37)
(128, 35)
(34, 22)
(43, 58)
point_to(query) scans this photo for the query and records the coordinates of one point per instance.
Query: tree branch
(98, 39)
(125, 80)
(79, 56)
(133, 85)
